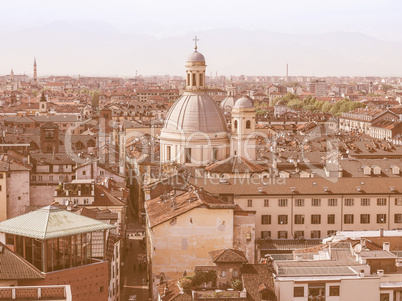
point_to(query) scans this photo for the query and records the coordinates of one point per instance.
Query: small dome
(196, 57)
(243, 102)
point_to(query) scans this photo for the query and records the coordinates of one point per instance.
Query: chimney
(361, 274)
(381, 232)
(385, 246)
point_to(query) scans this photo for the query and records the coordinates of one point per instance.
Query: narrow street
(134, 270)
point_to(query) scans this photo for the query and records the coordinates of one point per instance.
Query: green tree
(237, 285)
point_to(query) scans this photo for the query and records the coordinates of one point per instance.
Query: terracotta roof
(103, 197)
(228, 255)
(235, 164)
(173, 292)
(14, 267)
(160, 209)
(256, 279)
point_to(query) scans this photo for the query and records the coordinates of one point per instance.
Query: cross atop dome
(195, 42)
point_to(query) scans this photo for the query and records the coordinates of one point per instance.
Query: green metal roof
(51, 222)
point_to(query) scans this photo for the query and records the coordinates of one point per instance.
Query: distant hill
(97, 48)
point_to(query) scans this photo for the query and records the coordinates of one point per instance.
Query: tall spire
(35, 74)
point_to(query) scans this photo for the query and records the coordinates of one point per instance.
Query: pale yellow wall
(307, 210)
(368, 289)
(185, 244)
(3, 196)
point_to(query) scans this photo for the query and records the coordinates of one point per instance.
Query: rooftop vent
(260, 190)
(325, 189)
(392, 188)
(293, 189)
(358, 188)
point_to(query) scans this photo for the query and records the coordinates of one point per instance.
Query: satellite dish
(358, 248)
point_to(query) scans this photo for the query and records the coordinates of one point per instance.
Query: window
(316, 219)
(298, 291)
(266, 203)
(282, 234)
(299, 234)
(299, 219)
(235, 273)
(101, 172)
(348, 218)
(75, 201)
(365, 202)
(84, 172)
(398, 218)
(398, 201)
(1, 188)
(248, 124)
(33, 178)
(265, 219)
(316, 202)
(282, 219)
(331, 219)
(61, 178)
(235, 124)
(265, 234)
(381, 202)
(188, 155)
(381, 218)
(40, 178)
(349, 202)
(194, 80)
(1, 176)
(201, 80)
(283, 202)
(188, 79)
(332, 202)
(364, 218)
(223, 273)
(299, 202)
(50, 178)
(330, 232)
(249, 203)
(316, 234)
(334, 290)
(19, 198)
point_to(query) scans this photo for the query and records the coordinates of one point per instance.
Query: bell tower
(43, 104)
(35, 71)
(243, 129)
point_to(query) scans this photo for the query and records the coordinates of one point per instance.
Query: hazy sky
(379, 18)
(32, 22)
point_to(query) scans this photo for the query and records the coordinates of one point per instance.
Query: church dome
(195, 112)
(243, 103)
(196, 57)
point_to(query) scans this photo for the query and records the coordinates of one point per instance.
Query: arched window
(248, 124)
(235, 124)
(194, 80)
